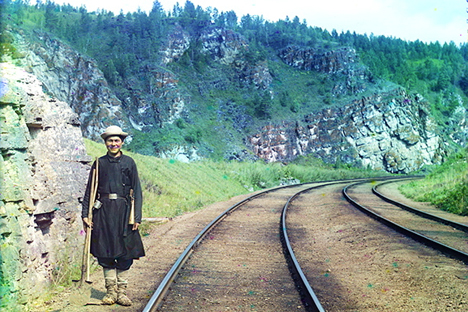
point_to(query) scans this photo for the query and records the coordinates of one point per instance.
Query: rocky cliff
(391, 131)
(43, 167)
(228, 47)
(341, 64)
(73, 78)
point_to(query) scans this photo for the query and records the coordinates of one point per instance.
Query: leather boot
(110, 277)
(122, 282)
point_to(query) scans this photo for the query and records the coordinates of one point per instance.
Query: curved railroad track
(240, 266)
(448, 236)
(351, 261)
(355, 263)
(247, 242)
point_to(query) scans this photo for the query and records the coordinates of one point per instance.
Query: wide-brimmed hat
(114, 130)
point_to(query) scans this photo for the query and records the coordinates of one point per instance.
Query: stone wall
(43, 172)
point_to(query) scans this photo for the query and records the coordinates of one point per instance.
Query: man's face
(114, 144)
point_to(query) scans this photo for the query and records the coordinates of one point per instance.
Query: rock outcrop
(228, 47)
(341, 64)
(223, 45)
(166, 101)
(391, 131)
(43, 168)
(75, 79)
(177, 43)
(458, 124)
(320, 60)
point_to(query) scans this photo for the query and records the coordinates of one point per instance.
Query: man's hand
(87, 224)
(135, 226)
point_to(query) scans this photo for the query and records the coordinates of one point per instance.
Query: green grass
(171, 188)
(446, 187)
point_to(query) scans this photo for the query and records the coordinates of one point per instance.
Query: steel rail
(447, 250)
(456, 225)
(310, 300)
(158, 296)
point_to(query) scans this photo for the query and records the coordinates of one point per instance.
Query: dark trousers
(111, 263)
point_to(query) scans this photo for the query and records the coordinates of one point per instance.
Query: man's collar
(114, 159)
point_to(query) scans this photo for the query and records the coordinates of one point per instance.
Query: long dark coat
(112, 236)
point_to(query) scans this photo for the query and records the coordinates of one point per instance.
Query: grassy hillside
(220, 106)
(446, 187)
(171, 188)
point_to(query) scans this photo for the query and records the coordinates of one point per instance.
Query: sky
(424, 20)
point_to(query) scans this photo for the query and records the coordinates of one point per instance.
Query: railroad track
(247, 242)
(351, 261)
(256, 278)
(448, 236)
(243, 260)
(356, 263)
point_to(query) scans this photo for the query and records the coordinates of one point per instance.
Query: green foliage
(165, 139)
(5, 293)
(261, 105)
(172, 188)
(7, 47)
(127, 50)
(433, 70)
(446, 186)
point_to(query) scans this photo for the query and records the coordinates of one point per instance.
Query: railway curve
(355, 263)
(324, 238)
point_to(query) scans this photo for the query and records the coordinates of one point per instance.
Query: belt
(111, 196)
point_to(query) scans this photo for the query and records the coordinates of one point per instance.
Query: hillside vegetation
(127, 47)
(446, 186)
(171, 188)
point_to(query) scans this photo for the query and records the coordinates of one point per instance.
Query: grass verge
(446, 186)
(171, 188)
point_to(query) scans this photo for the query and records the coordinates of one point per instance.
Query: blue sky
(426, 20)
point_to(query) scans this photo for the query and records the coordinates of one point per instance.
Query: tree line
(123, 44)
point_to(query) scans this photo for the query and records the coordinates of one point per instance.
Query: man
(114, 242)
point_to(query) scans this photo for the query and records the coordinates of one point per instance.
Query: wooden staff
(131, 218)
(87, 246)
(90, 218)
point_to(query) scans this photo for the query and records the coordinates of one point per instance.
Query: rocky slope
(390, 131)
(73, 78)
(44, 169)
(342, 64)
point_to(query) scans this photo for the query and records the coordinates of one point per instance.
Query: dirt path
(354, 263)
(402, 278)
(163, 246)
